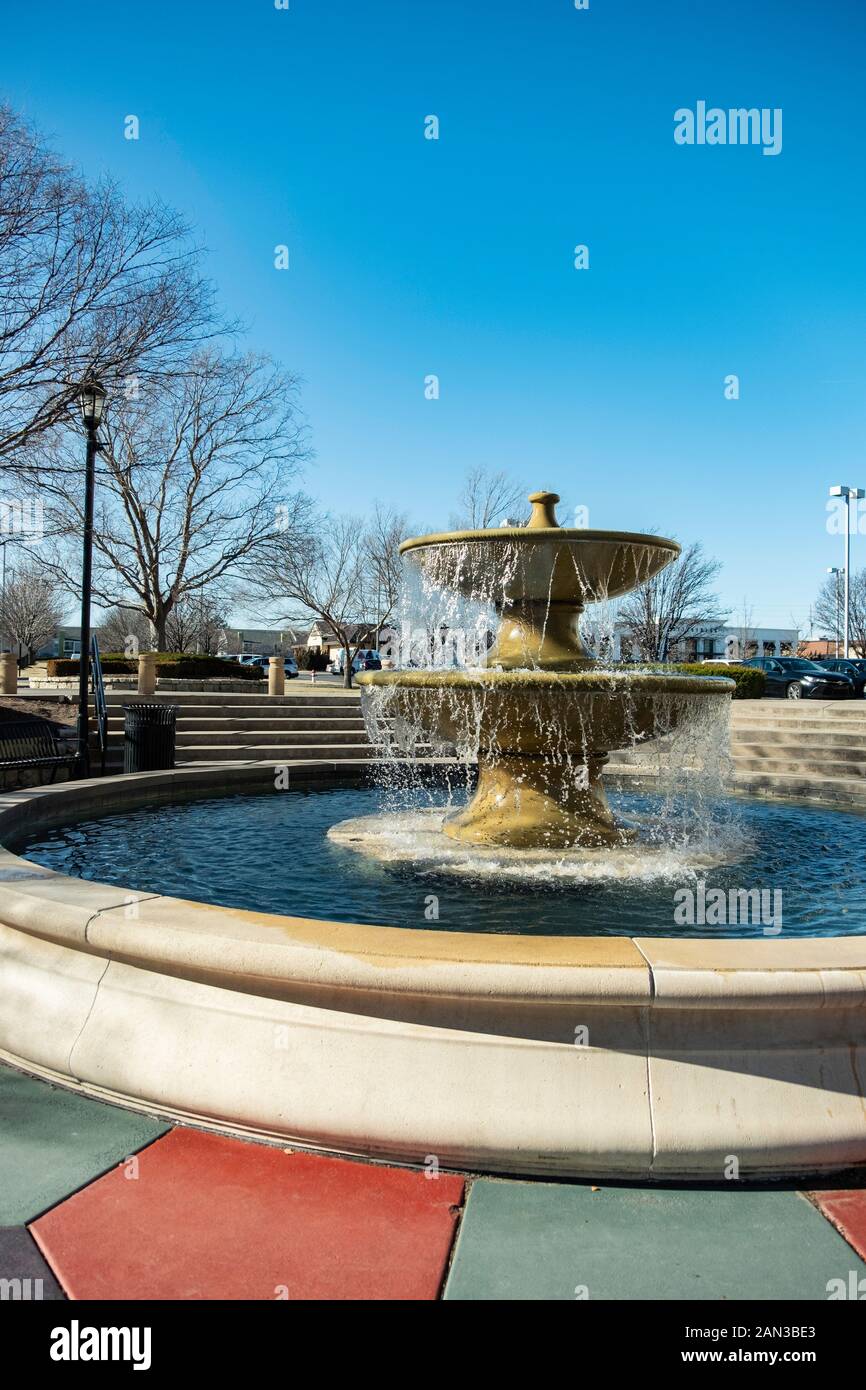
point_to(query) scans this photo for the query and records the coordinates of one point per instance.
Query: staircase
(323, 722)
(815, 749)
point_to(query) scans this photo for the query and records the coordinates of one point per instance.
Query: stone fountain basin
(576, 713)
(399, 1043)
(540, 565)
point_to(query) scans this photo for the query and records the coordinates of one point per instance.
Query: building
(322, 637)
(66, 642)
(260, 641)
(719, 641)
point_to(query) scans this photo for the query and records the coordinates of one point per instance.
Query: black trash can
(148, 737)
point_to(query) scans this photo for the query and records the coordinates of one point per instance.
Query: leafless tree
(124, 630)
(196, 624)
(488, 499)
(88, 286)
(335, 570)
(382, 569)
(829, 610)
(30, 612)
(672, 606)
(193, 479)
(747, 643)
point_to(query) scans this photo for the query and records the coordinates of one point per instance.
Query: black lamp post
(92, 398)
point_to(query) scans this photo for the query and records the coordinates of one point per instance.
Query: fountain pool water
(233, 850)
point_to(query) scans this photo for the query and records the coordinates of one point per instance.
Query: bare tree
(488, 499)
(88, 286)
(196, 624)
(30, 613)
(193, 480)
(746, 640)
(382, 570)
(332, 569)
(672, 606)
(124, 630)
(829, 610)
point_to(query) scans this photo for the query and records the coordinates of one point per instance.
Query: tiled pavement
(99, 1203)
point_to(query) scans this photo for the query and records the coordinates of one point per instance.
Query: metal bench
(32, 743)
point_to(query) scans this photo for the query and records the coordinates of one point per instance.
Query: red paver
(846, 1209)
(216, 1218)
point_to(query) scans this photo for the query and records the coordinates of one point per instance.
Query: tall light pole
(3, 601)
(850, 494)
(92, 399)
(832, 569)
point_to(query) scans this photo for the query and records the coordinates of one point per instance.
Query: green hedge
(174, 665)
(750, 680)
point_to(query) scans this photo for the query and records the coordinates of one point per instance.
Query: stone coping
(281, 956)
(592, 680)
(130, 682)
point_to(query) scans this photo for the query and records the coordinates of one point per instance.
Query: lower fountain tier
(541, 740)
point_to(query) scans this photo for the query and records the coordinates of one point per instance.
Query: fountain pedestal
(522, 801)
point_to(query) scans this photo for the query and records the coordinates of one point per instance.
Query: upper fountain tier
(541, 562)
(540, 577)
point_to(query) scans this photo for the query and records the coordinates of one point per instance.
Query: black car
(800, 679)
(851, 667)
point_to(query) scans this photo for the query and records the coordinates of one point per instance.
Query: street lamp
(92, 400)
(851, 494)
(832, 569)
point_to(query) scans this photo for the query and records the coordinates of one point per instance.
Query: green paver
(524, 1240)
(52, 1142)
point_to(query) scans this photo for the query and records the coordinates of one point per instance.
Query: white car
(290, 666)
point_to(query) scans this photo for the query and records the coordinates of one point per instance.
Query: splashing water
(537, 714)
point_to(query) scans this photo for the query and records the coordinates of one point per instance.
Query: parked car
(363, 660)
(799, 679)
(289, 664)
(722, 661)
(852, 667)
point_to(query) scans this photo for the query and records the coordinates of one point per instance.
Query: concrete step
(228, 704)
(279, 753)
(764, 747)
(811, 766)
(792, 740)
(813, 727)
(271, 737)
(189, 724)
(787, 711)
(842, 791)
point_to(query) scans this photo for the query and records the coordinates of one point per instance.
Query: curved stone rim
(536, 535)
(575, 682)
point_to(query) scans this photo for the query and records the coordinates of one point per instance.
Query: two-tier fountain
(542, 714)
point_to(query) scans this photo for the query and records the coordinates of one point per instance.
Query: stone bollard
(8, 674)
(276, 676)
(146, 673)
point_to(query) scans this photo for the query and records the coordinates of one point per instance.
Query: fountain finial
(543, 510)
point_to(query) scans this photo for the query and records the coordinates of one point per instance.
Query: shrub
(310, 658)
(750, 680)
(175, 665)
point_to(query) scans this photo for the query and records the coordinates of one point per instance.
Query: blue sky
(455, 257)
